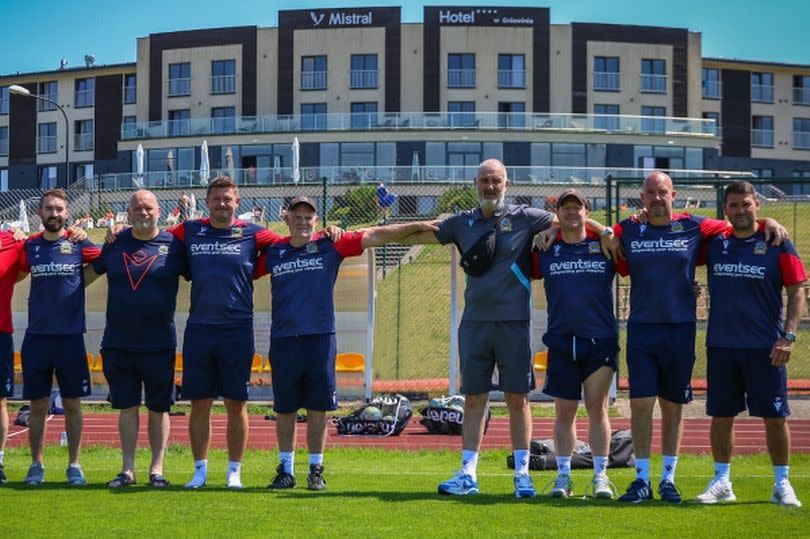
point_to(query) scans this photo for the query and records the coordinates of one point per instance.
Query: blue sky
(38, 33)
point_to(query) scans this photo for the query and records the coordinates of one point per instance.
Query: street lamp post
(21, 90)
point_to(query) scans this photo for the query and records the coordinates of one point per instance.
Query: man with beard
(54, 340)
(143, 266)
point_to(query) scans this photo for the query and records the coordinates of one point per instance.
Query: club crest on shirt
(760, 248)
(506, 225)
(676, 226)
(236, 232)
(163, 250)
(641, 229)
(201, 231)
(312, 248)
(557, 250)
(594, 248)
(725, 246)
(65, 248)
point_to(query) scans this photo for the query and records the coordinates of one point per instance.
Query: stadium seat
(17, 362)
(256, 366)
(90, 361)
(98, 365)
(267, 367)
(178, 362)
(350, 362)
(540, 361)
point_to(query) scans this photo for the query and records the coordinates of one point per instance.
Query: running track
(101, 429)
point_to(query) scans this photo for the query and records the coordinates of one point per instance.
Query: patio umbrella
(229, 162)
(192, 204)
(415, 166)
(296, 160)
(138, 181)
(24, 225)
(205, 164)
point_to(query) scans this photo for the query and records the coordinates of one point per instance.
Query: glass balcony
(461, 78)
(801, 96)
(84, 98)
(4, 147)
(604, 81)
(511, 78)
(762, 93)
(179, 87)
(128, 94)
(44, 106)
(363, 78)
(223, 84)
(712, 89)
(762, 138)
(801, 140)
(83, 142)
(314, 80)
(46, 144)
(653, 84)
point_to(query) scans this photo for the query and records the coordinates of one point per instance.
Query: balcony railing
(179, 87)
(84, 98)
(485, 121)
(313, 80)
(801, 140)
(223, 125)
(4, 147)
(511, 78)
(607, 81)
(762, 93)
(4, 106)
(83, 142)
(363, 78)
(128, 94)
(653, 84)
(762, 138)
(461, 78)
(801, 96)
(223, 84)
(712, 89)
(46, 144)
(44, 106)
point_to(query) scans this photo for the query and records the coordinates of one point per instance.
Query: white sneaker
(563, 486)
(783, 494)
(602, 487)
(234, 480)
(719, 490)
(198, 481)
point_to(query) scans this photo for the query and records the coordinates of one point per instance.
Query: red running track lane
(101, 429)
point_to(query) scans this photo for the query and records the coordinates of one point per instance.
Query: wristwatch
(789, 336)
(608, 231)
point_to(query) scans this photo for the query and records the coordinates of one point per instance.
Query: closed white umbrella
(192, 205)
(229, 162)
(296, 160)
(415, 166)
(205, 164)
(24, 225)
(139, 165)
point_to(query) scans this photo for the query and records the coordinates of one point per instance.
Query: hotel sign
(332, 19)
(482, 16)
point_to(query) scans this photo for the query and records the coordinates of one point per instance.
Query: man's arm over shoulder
(380, 235)
(539, 220)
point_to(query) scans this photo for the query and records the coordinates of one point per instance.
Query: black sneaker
(315, 480)
(638, 491)
(282, 479)
(3, 478)
(669, 492)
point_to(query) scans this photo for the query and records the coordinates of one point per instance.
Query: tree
(456, 199)
(356, 206)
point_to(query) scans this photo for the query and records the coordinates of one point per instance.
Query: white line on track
(13, 434)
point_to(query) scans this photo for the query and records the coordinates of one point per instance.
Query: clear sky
(38, 33)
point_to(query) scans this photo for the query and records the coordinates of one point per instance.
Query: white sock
(288, 460)
(521, 461)
(2, 456)
(643, 469)
(600, 465)
(316, 458)
(75, 465)
(722, 471)
(780, 473)
(200, 474)
(668, 465)
(469, 463)
(564, 465)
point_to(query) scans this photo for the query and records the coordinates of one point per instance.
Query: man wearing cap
(581, 338)
(494, 327)
(303, 268)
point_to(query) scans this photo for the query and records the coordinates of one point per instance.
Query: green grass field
(375, 493)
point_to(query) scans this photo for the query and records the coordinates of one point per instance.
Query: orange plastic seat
(256, 366)
(267, 367)
(540, 361)
(350, 362)
(98, 364)
(178, 362)
(17, 362)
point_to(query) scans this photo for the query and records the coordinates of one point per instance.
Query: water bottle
(63, 439)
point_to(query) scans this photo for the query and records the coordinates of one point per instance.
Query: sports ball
(371, 413)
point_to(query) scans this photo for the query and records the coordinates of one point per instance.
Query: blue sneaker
(460, 484)
(669, 492)
(75, 476)
(36, 474)
(523, 486)
(638, 491)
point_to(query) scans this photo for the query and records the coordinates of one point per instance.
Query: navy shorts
(6, 365)
(303, 373)
(216, 362)
(744, 378)
(483, 345)
(571, 360)
(660, 358)
(42, 355)
(127, 372)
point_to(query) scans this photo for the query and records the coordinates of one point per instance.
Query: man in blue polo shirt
(747, 345)
(54, 340)
(143, 266)
(303, 268)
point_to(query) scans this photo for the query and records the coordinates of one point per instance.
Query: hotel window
(762, 172)
(653, 76)
(223, 119)
(130, 88)
(762, 87)
(179, 79)
(605, 117)
(46, 138)
(49, 89)
(511, 71)
(129, 128)
(461, 113)
(85, 95)
(652, 125)
(4, 140)
(313, 116)
(511, 114)
(3, 99)
(606, 74)
(83, 135)
(711, 84)
(461, 70)
(223, 76)
(313, 72)
(179, 122)
(801, 133)
(364, 115)
(363, 71)
(762, 131)
(801, 89)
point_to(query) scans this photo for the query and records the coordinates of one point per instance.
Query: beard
(146, 224)
(489, 204)
(53, 225)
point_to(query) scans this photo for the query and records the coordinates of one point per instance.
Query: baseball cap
(573, 193)
(303, 200)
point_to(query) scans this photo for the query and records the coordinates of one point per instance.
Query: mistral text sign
(340, 18)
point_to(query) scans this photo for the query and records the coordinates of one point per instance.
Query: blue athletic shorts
(740, 378)
(303, 370)
(571, 360)
(483, 345)
(127, 372)
(42, 355)
(660, 358)
(6, 365)
(216, 362)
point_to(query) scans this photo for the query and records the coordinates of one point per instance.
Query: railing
(801, 140)
(517, 121)
(607, 81)
(762, 93)
(83, 142)
(179, 87)
(801, 96)
(128, 94)
(511, 78)
(363, 78)
(43, 106)
(4, 147)
(4, 106)
(762, 138)
(84, 98)
(313, 80)
(653, 84)
(223, 125)
(461, 78)
(223, 84)
(712, 89)
(46, 144)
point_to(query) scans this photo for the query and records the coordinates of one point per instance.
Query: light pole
(21, 90)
